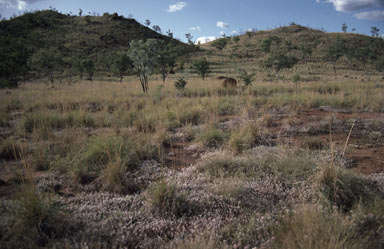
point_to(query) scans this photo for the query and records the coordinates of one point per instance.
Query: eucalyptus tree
(144, 55)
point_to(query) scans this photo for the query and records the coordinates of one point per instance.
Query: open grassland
(273, 165)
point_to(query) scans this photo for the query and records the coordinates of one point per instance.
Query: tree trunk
(334, 67)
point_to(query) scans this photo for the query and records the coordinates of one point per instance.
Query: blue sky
(204, 18)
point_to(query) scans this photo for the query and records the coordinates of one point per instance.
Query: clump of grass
(343, 188)
(229, 166)
(312, 143)
(166, 200)
(37, 218)
(5, 119)
(10, 149)
(191, 115)
(246, 234)
(114, 178)
(229, 187)
(146, 122)
(46, 121)
(245, 138)
(103, 150)
(226, 107)
(311, 227)
(293, 166)
(202, 242)
(369, 220)
(171, 121)
(212, 137)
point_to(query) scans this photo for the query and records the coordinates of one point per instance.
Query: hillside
(312, 48)
(71, 37)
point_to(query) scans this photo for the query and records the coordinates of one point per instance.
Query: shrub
(246, 77)
(166, 200)
(180, 84)
(296, 78)
(220, 43)
(342, 188)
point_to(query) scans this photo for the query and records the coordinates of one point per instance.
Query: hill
(316, 52)
(71, 37)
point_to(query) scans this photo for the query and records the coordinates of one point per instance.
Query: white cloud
(176, 7)
(377, 15)
(205, 39)
(222, 25)
(234, 32)
(222, 33)
(16, 4)
(353, 5)
(197, 28)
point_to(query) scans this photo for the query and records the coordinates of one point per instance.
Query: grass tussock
(10, 149)
(229, 166)
(312, 227)
(37, 219)
(293, 166)
(246, 137)
(212, 137)
(343, 188)
(166, 200)
(112, 154)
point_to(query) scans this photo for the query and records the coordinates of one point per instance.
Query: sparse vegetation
(204, 166)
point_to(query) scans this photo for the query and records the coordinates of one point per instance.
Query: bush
(246, 77)
(180, 84)
(166, 200)
(6, 83)
(220, 43)
(296, 78)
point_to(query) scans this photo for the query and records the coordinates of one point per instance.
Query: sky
(209, 19)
